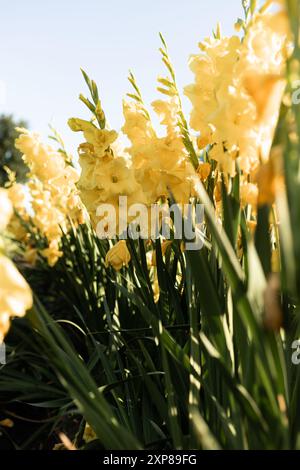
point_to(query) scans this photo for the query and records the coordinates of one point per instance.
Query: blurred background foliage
(10, 157)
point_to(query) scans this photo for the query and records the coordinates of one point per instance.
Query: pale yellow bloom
(99, 139)
(44, 162)
(118, 256)
(15, 295)
(203, 141)
(137, 126)
(155, 288)
(7, 423)
(112, 176)
(204, 170)
(17, 196)
(168, 113)
(6, 209)
(31, 256)
(249, 194)
(52, 253)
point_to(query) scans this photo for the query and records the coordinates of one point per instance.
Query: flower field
(150, 288)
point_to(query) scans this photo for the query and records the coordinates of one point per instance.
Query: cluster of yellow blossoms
(239, 85)
(161, 164)
(146, 173)
(105, 175)
(15, 294)
(54, 200)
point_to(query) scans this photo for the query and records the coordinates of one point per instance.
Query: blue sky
(43, 44)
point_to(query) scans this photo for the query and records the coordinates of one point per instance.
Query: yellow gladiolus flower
(15, 295)
(6, 209)
(31, 256)
(155, 288)
(204, 170)
(137, 126)
(52, 253)
(100, 139)
(249, 194)
(168, 113)
(118, 256)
